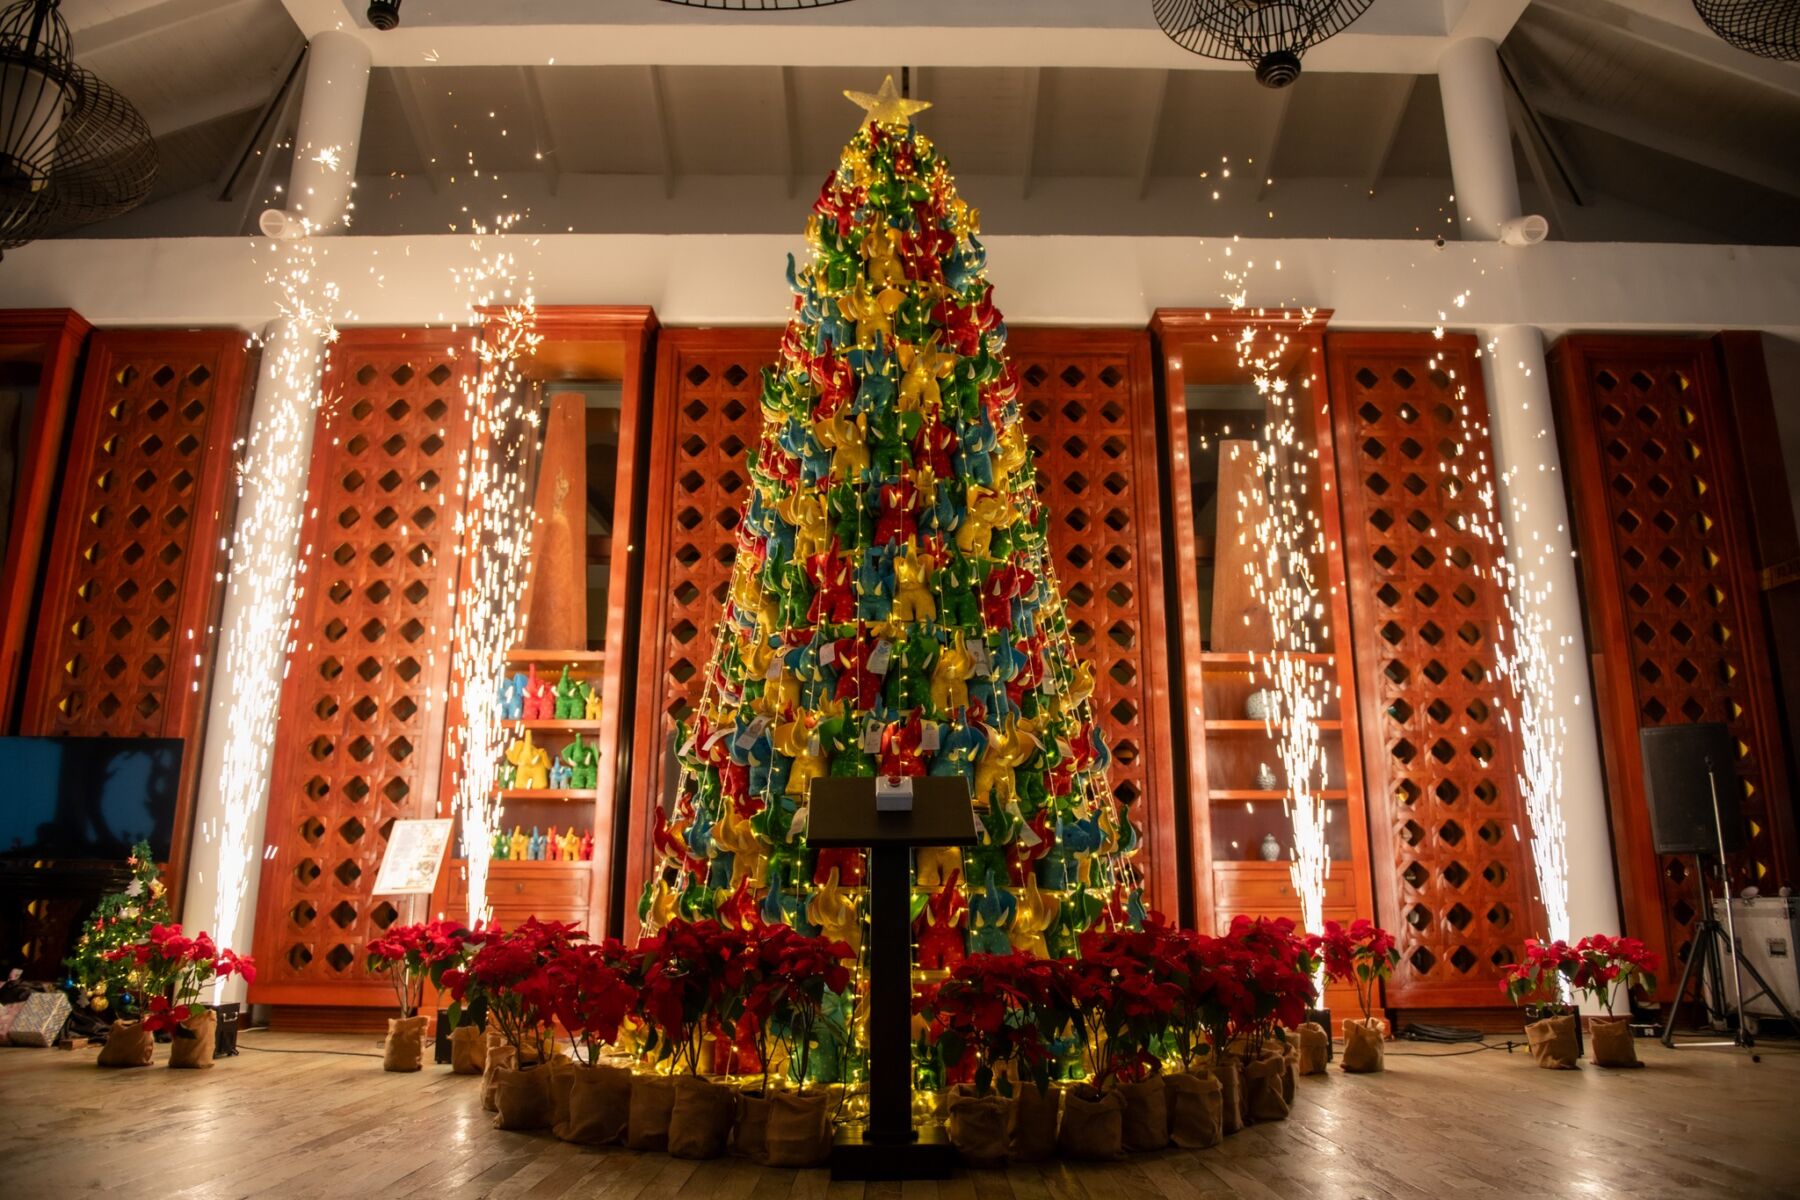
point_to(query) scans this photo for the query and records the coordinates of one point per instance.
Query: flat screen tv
(87, 798)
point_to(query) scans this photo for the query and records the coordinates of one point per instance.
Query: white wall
(725, 279)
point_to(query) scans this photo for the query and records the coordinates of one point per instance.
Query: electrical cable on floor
(1418, 1031)
(282, 1050)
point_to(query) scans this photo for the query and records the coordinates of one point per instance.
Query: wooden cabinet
(549, 891)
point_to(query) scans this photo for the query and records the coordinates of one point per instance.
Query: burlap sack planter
(598, 1106)
(1231, 1093)
(562, 1081)
(522, 1098)
(1196, 1107)
(192, 1046)
(1093, 1124)
(500, 1058)
(978, 1125)
(1145, 1121)
(799, 1129)
(1314, 1049)
(468, 1051)
(404, 1049)
(1031, 1132)
(1290, 1072)
(1552, 1043)
(652, 1100)
(1263, 1099)
(128, 1044)
(701, 1118)
(1362, 1047)
(751, 1138)
(1610, 1043)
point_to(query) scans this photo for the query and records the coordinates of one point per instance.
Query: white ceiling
(1632, 122)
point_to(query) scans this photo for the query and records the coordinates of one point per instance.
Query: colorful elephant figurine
(940, 930)
(530, 763)
(990, 917)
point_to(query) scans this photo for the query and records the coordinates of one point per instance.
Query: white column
(231, 808)
(1480, 140)
(326, 138)
(1534, 509)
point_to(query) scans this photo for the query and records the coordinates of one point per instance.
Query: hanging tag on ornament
(871, 735)
(878, 657)
(928, 737)
(978, 657)
(827, 654)
(717, 737)
(812, 746)
(752, 731)
(776, 661)
(1027, 835)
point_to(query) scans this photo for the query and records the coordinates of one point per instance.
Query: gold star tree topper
(888, 106)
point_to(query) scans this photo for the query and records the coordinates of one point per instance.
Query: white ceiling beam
(1396, 99)
(537, 113)
(1772, 172)
(1270, 140)
(418, 126)
(1153, 133)
(281, 132)
(117, 32)
(1696, 45)
(260, 139)
(665, 130)
(1399, 38)
(1034, 82)
(1490, 19)
(790, 129)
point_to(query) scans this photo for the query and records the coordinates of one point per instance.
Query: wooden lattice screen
(124, 634)
(360, 739)
(1674, 623)
(1090, 412)
(1452, 874)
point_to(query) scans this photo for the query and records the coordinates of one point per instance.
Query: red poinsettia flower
(164, 1016)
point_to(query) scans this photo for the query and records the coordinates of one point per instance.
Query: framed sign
(415, 852)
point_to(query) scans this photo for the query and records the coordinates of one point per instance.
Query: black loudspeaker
(1681, 764)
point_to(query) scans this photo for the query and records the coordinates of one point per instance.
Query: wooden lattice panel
(1089, 413)
(1452, 875)
(123, 643)
(1676, 629)
(360, 739)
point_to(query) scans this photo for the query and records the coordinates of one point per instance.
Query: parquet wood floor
(1698, 1122)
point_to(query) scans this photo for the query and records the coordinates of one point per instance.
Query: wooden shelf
(529, 864)
(1247, 726)
(555, 726)
(557, 658)
(548, 793)
(1256, 794)
(1242, 658)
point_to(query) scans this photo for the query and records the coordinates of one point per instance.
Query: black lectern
(878, 814)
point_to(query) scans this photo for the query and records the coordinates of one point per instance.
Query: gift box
(8, 1013)
(40, 1020)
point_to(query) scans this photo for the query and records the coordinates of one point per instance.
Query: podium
(868, 812)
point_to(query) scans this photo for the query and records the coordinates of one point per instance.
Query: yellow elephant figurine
(519, 844)
(734, 835)
(848, 441)
(1011, 454)
(922, 367)
(936, 864)
(1007, 748)
(806, 512)
(873, 314)
(835, 914)
(950, 678)
(662, 908)
(913, 600)
(987, 511)
(748, 594)
(531, 763)
(795, 739)
(591, 706)
(882, 251)
(1037, 913)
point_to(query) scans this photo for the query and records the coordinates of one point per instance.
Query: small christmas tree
(123, 918)
(893, 606)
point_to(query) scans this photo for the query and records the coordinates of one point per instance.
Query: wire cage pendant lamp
(1770, 28)
(72, 150)
(1271, 35)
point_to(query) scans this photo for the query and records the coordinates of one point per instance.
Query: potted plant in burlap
(1540, 982)
(1364, 955)
(1193, 1094)
(175, 970)
(788, 978)
(589, 994)
(1122, 1009)
(986, 1020)
(1272, 965)
(1607, 968)
(408, 955)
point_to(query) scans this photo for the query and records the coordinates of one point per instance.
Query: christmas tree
(893, 607)
(120, 919)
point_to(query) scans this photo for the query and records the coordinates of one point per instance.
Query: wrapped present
(40, 1020)
(8, 1013)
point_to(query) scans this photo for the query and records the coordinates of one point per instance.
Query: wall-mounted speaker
(1683, 764)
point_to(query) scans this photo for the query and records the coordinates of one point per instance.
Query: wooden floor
(1698, 1122)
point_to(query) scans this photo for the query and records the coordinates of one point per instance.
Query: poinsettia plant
(410, 954)
(504, 979)
(1542, 976)
(689, 975)
(1270, 967)
(173, 970)
(1121, 1006)
(998, 1009)
(1608, 967)
(1363, 954)
(786, 976)
(588, 992)
(1187, 960)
